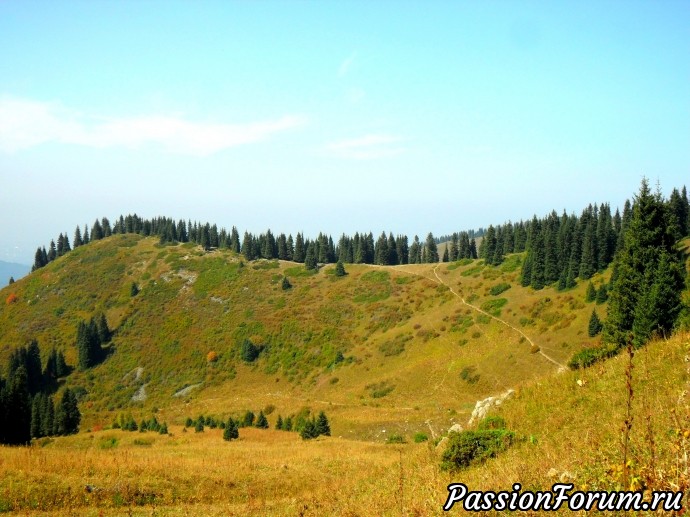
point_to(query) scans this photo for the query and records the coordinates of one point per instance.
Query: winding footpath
(560, 366)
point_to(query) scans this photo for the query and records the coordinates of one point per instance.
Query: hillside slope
(381, 349)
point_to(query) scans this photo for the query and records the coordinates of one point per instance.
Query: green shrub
(588, 356)
(499, 288)
(493, 307)
(492, 422)
(420, 437)
(395, 438)
(472, 447)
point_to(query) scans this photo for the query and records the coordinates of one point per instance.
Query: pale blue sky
(334, 116)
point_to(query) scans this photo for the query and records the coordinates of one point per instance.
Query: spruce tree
(248, 419)
(286, 284)
(591, 293)
(322, 426)
(431, 249)
(261, 421)
(310, 260)
(230, 432)
(595, 324)
(602, 294)
(309, 430)
(279, 423)
(340, 269)
(645, 296)
(299, 253)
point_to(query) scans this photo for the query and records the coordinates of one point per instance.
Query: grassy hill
(383, 348)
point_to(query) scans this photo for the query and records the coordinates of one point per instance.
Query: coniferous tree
(300, 253)
(645, 296)
(286, 284)
(602, 294)
(340, 269)
(261, 421)
(445, 255)
(287, 424)
(17, 408)
(52, 251)
(248, 419)
(591, 293)
(309, 430)
(322, 425)
(310, 260)
(96, 231)
(230, 432)
(595, 324)
(431, 249)
(279, 423)
(453, 253)
(77, 238)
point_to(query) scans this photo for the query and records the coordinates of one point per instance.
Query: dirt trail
(474, 307)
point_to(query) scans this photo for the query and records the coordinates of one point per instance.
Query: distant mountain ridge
(12, 269)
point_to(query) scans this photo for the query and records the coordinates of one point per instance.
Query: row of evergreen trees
(27, 409)
(307, 425)
(358, 249)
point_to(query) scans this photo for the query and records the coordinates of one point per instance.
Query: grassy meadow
(383, 351)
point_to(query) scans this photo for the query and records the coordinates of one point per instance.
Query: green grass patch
(493, 307)
(298, 271)
(499, 288)
(213, 274)
(459, 263)
(396, 346)
(511, 263)
(379, 389)
(473, 271)
(266, 264)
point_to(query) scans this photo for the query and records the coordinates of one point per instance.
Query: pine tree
(286, 284)
(602, 294)
(67, 415)
(591, 293)
(261, 421)
(595, 324)
(322, 426)
(248, 419)
(453, 254)
(431, 249)
(77, 238)
(104, 333)
(445, 255)
(645, 296)
(18, 408)
(287, 425)
(133, 289)
(310, 262)
(299, 254)
(340, 269)
(309, 430)
(230, 432)
(279, 423)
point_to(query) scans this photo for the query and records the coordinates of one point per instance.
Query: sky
(406, 116)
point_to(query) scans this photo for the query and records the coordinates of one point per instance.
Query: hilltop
(382, 349)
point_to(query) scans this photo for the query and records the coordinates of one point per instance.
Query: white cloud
(368, 147)
(347, 64)
(26, 123)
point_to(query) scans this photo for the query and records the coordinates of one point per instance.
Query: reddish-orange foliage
(211, 357)
(11, 298)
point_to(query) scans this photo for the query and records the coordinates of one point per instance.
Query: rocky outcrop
(482, 408)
